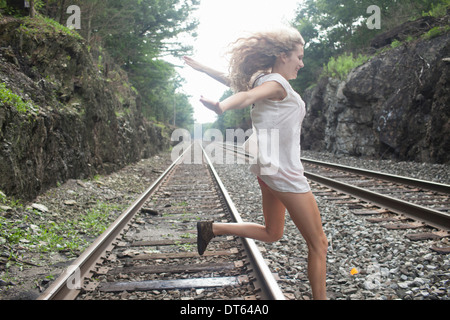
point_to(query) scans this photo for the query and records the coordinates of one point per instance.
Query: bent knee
(319, 245)
(274, 236)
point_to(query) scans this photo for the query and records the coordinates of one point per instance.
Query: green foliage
(153, 33)
(149, 27)
(158, 84)
(42, 26)
(342, 65)
(7, 97)
(396, 44)
(334, 27)
(438, 10)
(43, 235)
(16, 11)
(135, 35)
(435, 32)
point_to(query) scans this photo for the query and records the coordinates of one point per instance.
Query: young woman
(261, 66)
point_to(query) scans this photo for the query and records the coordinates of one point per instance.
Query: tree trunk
(32, 10)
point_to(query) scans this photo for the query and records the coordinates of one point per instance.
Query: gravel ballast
(388, 265)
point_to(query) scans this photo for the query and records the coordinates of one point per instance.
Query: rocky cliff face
(79, 121)
(395, 105)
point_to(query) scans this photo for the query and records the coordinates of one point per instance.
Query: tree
(331, 27)
(135, 28)
(32, 9)
(137, 33)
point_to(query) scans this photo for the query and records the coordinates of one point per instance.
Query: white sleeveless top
(278, 127)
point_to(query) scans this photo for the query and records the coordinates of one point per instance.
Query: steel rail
(429, 216)
(434, 186)
(66, 286)
(268, 283)
(429, 185)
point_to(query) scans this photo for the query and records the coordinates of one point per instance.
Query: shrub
(340, 67)
(439, 10)
(435, 32)
(7, 97)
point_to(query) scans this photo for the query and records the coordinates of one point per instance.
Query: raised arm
(216, 75)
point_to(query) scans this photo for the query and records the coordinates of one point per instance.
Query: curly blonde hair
(257, 53)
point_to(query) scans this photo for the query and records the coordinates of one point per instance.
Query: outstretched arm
(216, 75)
(268, 90)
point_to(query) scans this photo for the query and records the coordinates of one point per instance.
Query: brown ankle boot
(204, 235)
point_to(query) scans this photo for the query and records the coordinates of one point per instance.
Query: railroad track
(150, 251)
(395, 201)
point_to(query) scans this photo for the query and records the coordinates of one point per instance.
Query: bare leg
(272, 230)
(303, 210)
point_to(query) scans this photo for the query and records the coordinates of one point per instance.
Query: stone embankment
(77, 120)
(396, 105)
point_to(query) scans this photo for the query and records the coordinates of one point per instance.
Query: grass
(435, 32)
(37, 233)
(340, 67)
(42, 26)
(7, 97)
